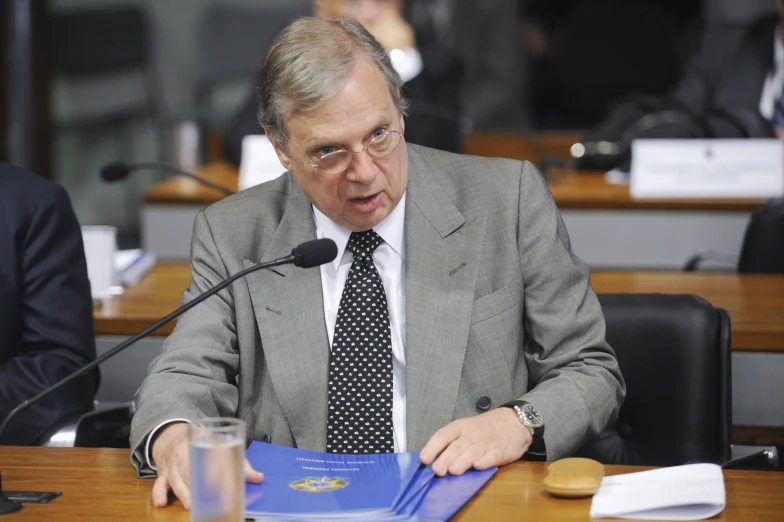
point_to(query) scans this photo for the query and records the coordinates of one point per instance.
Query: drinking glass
(217, 476)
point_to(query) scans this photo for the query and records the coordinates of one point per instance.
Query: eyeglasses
(379, 146)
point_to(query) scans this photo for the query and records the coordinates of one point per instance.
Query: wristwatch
(531, 419)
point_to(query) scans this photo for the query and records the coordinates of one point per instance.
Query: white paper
(691, 492)
(131, 265)
(717, 168)
(100, 245)
(259, 162)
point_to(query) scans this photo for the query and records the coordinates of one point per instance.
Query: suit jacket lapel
(288, 305)
(442, 262)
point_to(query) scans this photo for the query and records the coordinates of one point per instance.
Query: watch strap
(537, 445)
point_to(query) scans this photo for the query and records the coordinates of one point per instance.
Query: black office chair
(763, 244)
(104, 76)
(674, 353)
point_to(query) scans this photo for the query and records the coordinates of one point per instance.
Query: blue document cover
(301, 484)
(415, 492)
(446, 495)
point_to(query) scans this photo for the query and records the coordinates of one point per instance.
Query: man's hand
(492, 439)
(170, 453)
(392, 31)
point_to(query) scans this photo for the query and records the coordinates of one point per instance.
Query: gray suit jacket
(496, 306)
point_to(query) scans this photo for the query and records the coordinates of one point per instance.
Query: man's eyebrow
(316, 143)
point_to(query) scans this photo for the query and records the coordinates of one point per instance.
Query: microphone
(120, 170)
(306, 255)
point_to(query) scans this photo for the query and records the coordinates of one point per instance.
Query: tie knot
(363, 244)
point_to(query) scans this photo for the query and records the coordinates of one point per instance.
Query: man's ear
(284, 158)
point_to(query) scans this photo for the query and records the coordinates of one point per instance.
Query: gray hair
(308, 62)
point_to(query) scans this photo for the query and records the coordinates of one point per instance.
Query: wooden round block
(573, 477)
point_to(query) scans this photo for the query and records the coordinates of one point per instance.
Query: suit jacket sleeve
(575, 381)
(195, 375)
(56, 334)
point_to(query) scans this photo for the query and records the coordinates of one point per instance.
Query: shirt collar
(391, 230)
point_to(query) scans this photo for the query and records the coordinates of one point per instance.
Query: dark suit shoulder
(24, 195)
(24, 188)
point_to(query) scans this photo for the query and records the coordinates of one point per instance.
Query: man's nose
(362, 169)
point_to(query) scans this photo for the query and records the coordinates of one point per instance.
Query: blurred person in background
(739, 65)
(587, 55)
(431, 72)
(486, 37)
(46, 312)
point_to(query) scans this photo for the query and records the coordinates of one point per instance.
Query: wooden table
(101, 485)
(755, 302)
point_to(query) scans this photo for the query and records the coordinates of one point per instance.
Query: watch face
(532, 416)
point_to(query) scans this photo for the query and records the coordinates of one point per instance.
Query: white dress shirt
(774, 83)
(389, 259)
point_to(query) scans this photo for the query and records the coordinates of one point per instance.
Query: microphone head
(315, 253)
(115, 172)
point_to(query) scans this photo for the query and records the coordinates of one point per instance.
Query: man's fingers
(488, 460)
(251, 475)
(438, 442)
(450, 455)
(180, 488)
(466, 459)
(160, 492)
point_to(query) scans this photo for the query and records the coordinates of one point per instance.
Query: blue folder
(300, 483)
(301, 486)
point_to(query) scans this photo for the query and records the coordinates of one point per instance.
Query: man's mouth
(366, 204)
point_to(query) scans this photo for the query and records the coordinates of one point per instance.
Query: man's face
(370, 188)
(364, 11)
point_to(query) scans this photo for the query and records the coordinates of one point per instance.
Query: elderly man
(455, 320)
(431, 73)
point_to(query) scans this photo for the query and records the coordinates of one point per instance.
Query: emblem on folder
(319, 484)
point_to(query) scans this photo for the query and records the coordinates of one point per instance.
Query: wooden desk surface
(755, 302)
(583, 190)
(100, 485)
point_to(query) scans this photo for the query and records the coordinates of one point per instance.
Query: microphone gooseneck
(119, 170)
(305, 255)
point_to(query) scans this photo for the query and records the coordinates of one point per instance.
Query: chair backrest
(99, 41)
(103, 66)
(674, 354)
(763, 243)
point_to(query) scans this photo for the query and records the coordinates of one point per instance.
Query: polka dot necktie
(360, 367)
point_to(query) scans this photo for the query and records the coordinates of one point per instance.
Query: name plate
(718, 168)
